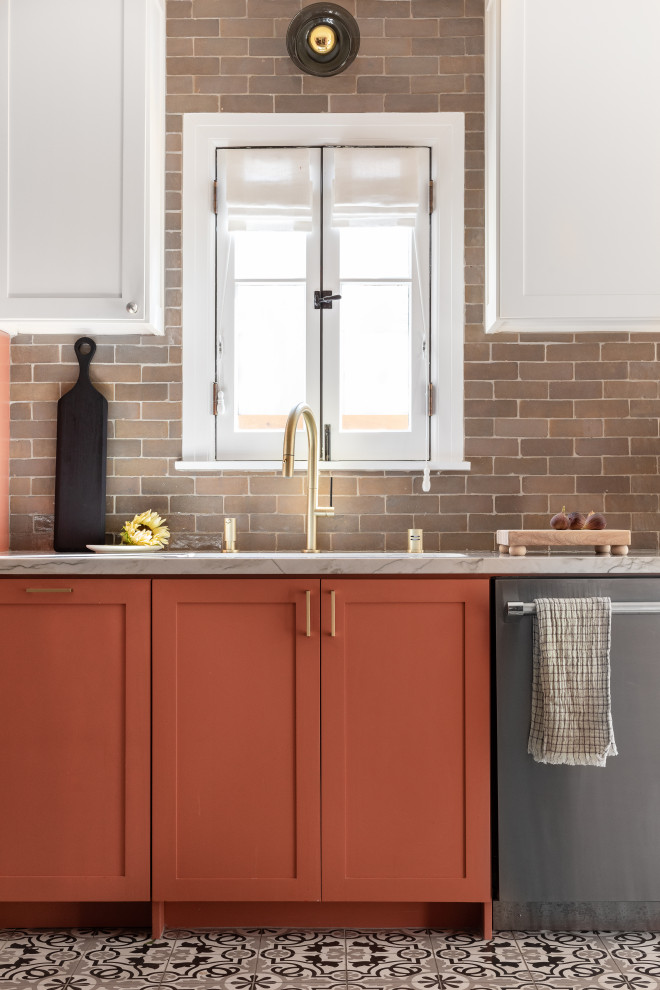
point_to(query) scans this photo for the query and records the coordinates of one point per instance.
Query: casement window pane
(375, 357)
(268, 254)
(375, 252)
(375, 339)
(270, 330)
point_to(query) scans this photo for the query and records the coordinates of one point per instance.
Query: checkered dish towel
(571, 713)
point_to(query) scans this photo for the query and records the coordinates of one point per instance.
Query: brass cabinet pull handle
(333, 631)
(49, 591)
(308, 604)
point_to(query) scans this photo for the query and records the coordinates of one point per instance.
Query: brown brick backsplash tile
(412, 503)
(586, 446)
(521, 389)
(521, 466)
(277, 85)
(460, 27)
(417, 27)
(246, 104)
(474, 46)
(479, 522)
(437, 46)
(515, 351)
(553, 485)
(634, 464)
(34, 467)
(360, 103)
(466, 503)
(551, 408)
(222, 85)
(505, 485)
(383, 84)
(442, 523)
(441, 484)
(631, 427)
(577, 428)
(373, 47)
(267, 523)
(410, 103)
(314, 86)
(617, 502)
(371, 27)
(627, 351)
(634, 390)
(546, 370)
(492, 371)
(183, 47)
(437, 84)
(520, 427)
(189, 28)
(301, 103)
(482, 446)
(600, 484)
(575, 390)
(223, 46)
(386, 523)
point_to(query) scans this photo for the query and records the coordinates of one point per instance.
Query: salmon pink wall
(4, 441)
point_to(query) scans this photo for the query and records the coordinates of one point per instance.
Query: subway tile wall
(556, 420)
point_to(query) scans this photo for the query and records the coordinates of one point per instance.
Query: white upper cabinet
(81, 166)
(573, 165)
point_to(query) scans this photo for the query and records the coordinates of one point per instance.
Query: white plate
(120, 548)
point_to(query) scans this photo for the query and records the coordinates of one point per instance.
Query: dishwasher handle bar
(514, 609)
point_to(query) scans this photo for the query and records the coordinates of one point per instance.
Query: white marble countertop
(206, 564)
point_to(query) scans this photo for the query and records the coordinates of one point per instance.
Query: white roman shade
(268, 189)
(378, 186)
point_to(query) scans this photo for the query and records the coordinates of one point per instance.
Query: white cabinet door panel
(574, 198)
(78, 206)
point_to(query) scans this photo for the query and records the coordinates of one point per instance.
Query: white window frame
(202, 134)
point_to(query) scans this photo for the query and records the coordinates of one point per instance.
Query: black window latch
(323, 299)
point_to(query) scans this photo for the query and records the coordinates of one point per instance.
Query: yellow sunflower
(146, 530)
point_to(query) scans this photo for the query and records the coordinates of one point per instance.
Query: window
(346, 213)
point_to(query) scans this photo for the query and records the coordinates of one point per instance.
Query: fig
(576, 520)
(595, 520)
(560, 521)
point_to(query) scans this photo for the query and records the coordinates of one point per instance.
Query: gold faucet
(288, 458)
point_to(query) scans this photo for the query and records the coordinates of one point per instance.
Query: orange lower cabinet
(405, 741)
(74, 728)
(236, 803)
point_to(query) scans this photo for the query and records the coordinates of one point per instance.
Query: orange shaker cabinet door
(236, 740)
(405, 716)
(74, 738)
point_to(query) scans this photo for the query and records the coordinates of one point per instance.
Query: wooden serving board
(516, 541)
(82, 432)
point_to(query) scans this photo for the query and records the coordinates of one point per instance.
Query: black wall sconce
(323, 39)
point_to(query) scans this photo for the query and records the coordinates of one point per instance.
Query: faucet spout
(288, 460)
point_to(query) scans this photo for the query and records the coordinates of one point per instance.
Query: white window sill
(209, 467)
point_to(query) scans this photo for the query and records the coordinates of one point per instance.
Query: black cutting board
(80, 467)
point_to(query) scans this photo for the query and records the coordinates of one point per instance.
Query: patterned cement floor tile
(296, 955)
(401, 957)
(29, 956)
(606, 981)
(456, 981)
(215, 956)
(631, 950)
(123, 961)
(567, 959)
(476, 959)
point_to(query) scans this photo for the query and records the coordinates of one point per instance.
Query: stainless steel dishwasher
(579, 834)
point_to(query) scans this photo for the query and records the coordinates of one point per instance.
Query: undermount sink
(260, 554)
